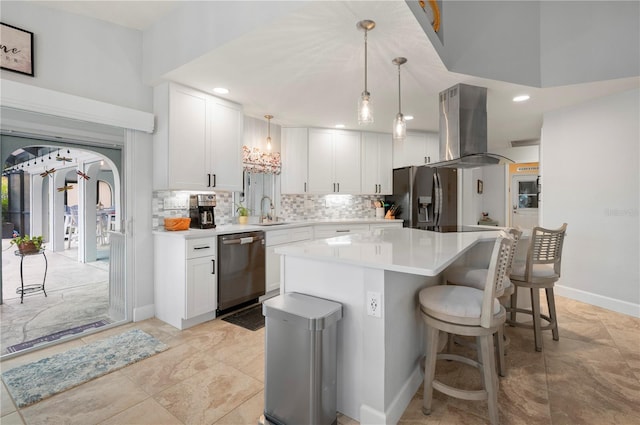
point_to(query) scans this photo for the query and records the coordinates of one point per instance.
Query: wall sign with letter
(16, 49)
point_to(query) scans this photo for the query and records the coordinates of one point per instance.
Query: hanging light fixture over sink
(399, 124)
(268, 117)
(365, 111)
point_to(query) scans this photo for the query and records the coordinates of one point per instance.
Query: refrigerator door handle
(437, 195)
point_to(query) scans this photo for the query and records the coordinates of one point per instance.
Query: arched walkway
(54, 190)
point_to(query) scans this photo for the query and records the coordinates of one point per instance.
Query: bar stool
(476, 277)
(541, 270)
(462, 310)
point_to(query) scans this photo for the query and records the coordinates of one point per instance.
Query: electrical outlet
(374, 304)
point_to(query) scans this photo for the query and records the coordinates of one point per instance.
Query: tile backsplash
(289, 207)
(166, 203)
(318, 207)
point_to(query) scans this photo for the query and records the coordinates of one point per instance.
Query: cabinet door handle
(343, 231)
(334, 187)
(305, 187)
(201, 247)
(213, 266)
(209, 180)
(214, 180)
(338, 186)
(428, 160)
(425, 159)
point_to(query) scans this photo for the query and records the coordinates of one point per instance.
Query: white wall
(81, 56)
(538, 43)
(491, 200)
(589, 165)
(583, 41)
(521, 154)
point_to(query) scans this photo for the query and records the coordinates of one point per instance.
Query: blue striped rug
(36, 381)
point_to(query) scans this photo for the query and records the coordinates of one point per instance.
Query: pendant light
(365, 111)
(268, 117)
(399, 124)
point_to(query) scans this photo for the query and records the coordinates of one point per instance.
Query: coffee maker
(201, 211)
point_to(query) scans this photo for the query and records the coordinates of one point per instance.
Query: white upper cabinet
(377, 163)
(416, 149)
(295, 151)
(226, 144)
(334, 161)
(198, 142)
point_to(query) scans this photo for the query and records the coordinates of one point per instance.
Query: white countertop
(414, 251)
(238, 228)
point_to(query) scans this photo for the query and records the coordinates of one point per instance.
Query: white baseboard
(143, 313)
(612, 304)
(404, 397)
(392, 415)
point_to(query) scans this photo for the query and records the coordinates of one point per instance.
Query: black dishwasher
(241, 269)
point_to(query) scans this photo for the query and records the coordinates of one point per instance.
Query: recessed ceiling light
(339, 125)
(408, 117)
(221, 90)
(521, 98)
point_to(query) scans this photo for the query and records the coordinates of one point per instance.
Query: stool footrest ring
(550, 322)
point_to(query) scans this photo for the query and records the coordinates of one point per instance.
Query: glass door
(524, 201)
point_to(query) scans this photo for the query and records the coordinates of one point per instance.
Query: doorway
(524, 201)
(70, 194)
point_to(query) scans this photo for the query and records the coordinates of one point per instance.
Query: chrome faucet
(269, 216)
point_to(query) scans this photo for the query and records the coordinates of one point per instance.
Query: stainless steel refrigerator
(426, 197)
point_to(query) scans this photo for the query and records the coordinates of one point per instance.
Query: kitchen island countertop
(419, 252)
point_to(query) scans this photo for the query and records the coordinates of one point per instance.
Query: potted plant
(243, 214)
(27, 244)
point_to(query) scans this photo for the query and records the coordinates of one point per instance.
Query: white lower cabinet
(277, 238)
(185, 280)
(201, 287)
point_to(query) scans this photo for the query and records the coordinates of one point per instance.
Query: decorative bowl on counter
(177, 223)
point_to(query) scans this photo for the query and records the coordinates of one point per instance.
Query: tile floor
(214, 373)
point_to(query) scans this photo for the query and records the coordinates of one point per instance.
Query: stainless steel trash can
(300, 359)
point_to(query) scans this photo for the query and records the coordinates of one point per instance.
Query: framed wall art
(16, 49)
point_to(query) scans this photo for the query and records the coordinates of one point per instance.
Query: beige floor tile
(208, 396)
(590, 384)
(215, 371)
(12, 419)
(413, 413)
(6, 404)
(247, 413)
(90, 403)
(168, 368)
(149, 412)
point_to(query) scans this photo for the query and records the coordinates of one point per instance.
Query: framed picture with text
(16, 49)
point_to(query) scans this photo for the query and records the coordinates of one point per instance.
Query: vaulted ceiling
(307, 69)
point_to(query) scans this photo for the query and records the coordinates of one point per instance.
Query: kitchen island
(376, 276)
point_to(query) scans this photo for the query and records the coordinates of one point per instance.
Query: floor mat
(36, 381)
(250, 318)
(56, 335)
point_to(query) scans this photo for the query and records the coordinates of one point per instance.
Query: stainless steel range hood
(463, 129)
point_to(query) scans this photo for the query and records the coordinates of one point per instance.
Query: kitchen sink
(271, 223)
